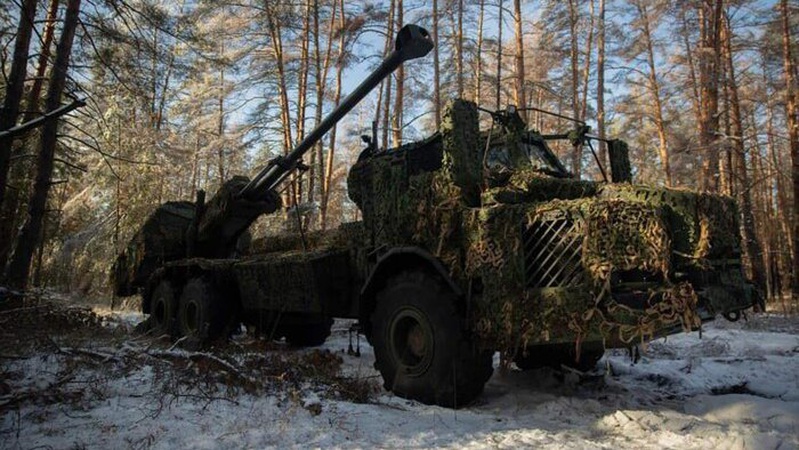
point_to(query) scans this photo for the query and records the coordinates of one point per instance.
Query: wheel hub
(159, 312)
(191, 316)
(411, 341)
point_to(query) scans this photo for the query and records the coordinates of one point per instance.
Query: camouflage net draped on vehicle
(613, 234)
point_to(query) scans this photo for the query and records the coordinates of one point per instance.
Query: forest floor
(77, 377)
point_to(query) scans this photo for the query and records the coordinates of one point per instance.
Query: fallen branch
(202, 356)
(54, 114)
(15, 399)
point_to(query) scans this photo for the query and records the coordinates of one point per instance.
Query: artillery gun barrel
(412, 42)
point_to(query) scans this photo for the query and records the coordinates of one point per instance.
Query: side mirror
(619, 154)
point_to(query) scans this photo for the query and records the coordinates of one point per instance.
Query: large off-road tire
(555, 356)
(202, 316)
(311, 334)
(422, 347)
(163, 309)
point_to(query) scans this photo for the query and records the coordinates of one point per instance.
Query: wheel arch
(394, 261)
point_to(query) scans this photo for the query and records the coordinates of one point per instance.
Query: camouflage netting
(528, 185)
(347, 234)
(623, 235)
(161, 238)
(704, 226)
(619, 155)
(610, 229)
(227, 216)
(460, 132)
(612, 234)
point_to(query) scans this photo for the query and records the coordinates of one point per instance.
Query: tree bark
(458, 48)
(436, 69)
(332, 151)
(479, 71)
(387, 81)
(399, 101)
(709, 64)
(30, 233)
(587, 66)
(791, 112)
(35, 93)
(321, 71)
(695, 102)
(519, 97)
(501, 8)
(302, 95)
(600, 82)
(654, 89)
(577, 152)
(14, 89)
(780, 187)
(751, 245)
(285, 117)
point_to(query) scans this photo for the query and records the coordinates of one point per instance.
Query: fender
(393, 262)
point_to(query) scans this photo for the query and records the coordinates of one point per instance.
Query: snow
(735, 387)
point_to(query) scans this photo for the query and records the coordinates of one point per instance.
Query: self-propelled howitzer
(471, 241)
(178, 230)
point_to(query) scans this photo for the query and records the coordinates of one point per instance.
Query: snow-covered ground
(736, 387)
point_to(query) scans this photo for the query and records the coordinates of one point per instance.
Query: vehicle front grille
(552, 254)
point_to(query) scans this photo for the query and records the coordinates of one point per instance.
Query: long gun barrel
(412, 42)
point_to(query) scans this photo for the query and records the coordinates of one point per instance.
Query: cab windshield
(530, 155)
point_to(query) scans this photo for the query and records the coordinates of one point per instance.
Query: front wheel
(422, 347)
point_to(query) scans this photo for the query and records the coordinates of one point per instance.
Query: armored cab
(546, 268)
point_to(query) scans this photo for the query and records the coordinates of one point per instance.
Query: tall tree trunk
(587, 66)
(302, 94)
(519, 97)
(600, 81)
(30, 233)
(577, 152)
(8, 118)
(501, 8)
(14, 88)
(321, 87)
(751, 246)
(459, 49)
(220, 124)
(396, 122)
(761, 205)
(654, 89)
(792, 115)
(783, 210)
(387, 81)
(479, 72)
(35, 93)
(695, 101)
(331, 153)
(436, 69)
(315, 163)
(709, 65)
(285, 117)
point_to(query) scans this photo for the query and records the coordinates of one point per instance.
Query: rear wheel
(163, 308)
(422, 347)
(201, 316)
